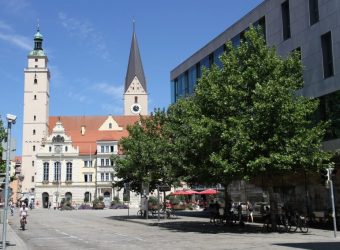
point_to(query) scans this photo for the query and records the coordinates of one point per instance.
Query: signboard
(164, 188)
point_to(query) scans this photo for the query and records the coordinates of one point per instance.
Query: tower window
(33, 148)
(35, 97)
(285, 20)
(35, 59)
(32, 163)
(66, 148)
(313, 11)
(110, 125)
(136, 99)
(49, 149)
(33, 131)
(34, 118)
(327, 55)
(32, 178)
(35, 66)
(35, 80)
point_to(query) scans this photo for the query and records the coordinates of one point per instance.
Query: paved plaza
(114, 229)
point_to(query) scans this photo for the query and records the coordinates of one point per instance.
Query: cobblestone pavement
(112, 229)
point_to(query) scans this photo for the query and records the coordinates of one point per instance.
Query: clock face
(57, 149)
(135, 108)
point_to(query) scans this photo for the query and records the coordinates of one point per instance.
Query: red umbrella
(184, 192)
(209, 191)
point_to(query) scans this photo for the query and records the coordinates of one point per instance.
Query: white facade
(35, 115)
(61, 171)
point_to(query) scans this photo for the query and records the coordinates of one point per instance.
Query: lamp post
(10, 120)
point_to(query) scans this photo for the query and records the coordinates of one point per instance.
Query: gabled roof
(86, 141)
(135, 67)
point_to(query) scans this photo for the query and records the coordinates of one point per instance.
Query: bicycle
(298, 221)
(282, 224)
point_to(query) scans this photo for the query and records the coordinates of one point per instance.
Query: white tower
(135, 92)
(36, 105)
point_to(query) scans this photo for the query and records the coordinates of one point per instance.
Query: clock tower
(35, 115)
(135, 91)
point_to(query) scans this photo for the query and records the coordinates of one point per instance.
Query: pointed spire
(135, 67)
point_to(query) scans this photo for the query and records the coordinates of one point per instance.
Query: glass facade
(329, 110)
(184, 84)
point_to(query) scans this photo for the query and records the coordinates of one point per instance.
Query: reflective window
(192, 79)
(285, 20)
(57, 171)
(217, 54)
(46, 171)
(329, 110)
(69, 171)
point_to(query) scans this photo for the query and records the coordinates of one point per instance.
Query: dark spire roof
(135, 67)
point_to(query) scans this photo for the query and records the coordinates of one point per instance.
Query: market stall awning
(184, 192)
(209, 191)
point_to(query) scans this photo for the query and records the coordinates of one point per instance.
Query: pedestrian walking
(250, 212)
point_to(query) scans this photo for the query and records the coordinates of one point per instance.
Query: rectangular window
(32, 163)
(33, 148)
(107, 162)
(86, 164)
(112, 149)
(285, 20)
(327, 55)
(32, 178)
(90, 177)
(313, 11)
(198, 70)
(102, 176)
(107, 149)
(102, 149)
(211, 59)
(107, 176)
(102, 163)
(86, 178)
(111, 176)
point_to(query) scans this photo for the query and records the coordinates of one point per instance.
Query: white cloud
(5, 26)
(17, 40)
(78, 97)
(114, 109)
(109, 89)
(85, 31)
(15, 6)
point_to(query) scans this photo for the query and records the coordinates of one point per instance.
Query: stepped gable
(84, 130)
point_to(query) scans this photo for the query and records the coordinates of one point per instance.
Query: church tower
(135, 91)
(36, 106)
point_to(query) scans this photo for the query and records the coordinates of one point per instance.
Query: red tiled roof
(87, 142)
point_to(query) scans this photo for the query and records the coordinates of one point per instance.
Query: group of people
(237, 209)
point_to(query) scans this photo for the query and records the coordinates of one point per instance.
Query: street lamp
(10, 120)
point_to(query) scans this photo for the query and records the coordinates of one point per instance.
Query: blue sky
(88, 42)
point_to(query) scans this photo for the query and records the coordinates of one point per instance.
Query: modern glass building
(310, 26)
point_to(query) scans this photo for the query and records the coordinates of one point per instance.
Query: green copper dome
(38, 35)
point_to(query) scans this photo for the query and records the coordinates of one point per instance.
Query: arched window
(35, 97)
(69, 171)
(68, 197)
(46, 171)
(136, 99)
(35, 80)
(110, 125)
(87, 197)
(66, 148)
(57, 171)
(33, 131)
(34, 118)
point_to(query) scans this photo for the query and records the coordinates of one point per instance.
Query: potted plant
(98, 203)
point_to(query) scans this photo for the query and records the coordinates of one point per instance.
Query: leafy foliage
(147, 154)
(247, 118)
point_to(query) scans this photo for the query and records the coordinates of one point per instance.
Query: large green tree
(147, 154)
(248, 118)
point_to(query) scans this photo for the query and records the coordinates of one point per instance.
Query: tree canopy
(244, 119)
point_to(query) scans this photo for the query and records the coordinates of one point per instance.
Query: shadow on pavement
(313, 246)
